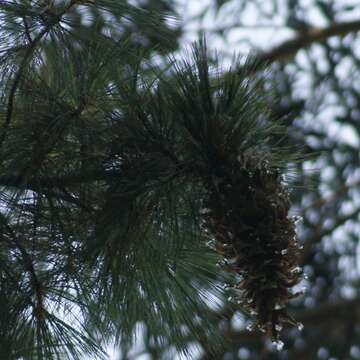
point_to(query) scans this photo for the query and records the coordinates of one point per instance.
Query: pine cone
(246, 215)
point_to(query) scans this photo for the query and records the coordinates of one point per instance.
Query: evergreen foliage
(115, 172)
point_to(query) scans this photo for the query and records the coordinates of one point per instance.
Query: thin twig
(307, 37)
(341, 312)
(317, 237)
(28, 265)
(333, 197)
(27, 31)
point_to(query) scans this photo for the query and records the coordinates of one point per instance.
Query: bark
(305, 38)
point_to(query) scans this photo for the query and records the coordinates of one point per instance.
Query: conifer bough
(113, 176)
(246, 204)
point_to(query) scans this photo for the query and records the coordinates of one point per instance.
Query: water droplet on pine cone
(250, 327)
(279, 345)
(296, 270)
(300, 326)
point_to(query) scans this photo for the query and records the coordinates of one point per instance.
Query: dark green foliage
(106, 163)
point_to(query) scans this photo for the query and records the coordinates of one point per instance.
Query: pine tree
(121, 177)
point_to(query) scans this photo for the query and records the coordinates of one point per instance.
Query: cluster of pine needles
(115, 174)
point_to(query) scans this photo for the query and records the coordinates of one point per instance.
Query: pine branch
(38, 306)
(341, 312)
(71, 180)
(316, 238)
(304, 39)
(128, 225)
(326, 201)
(30, 48)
